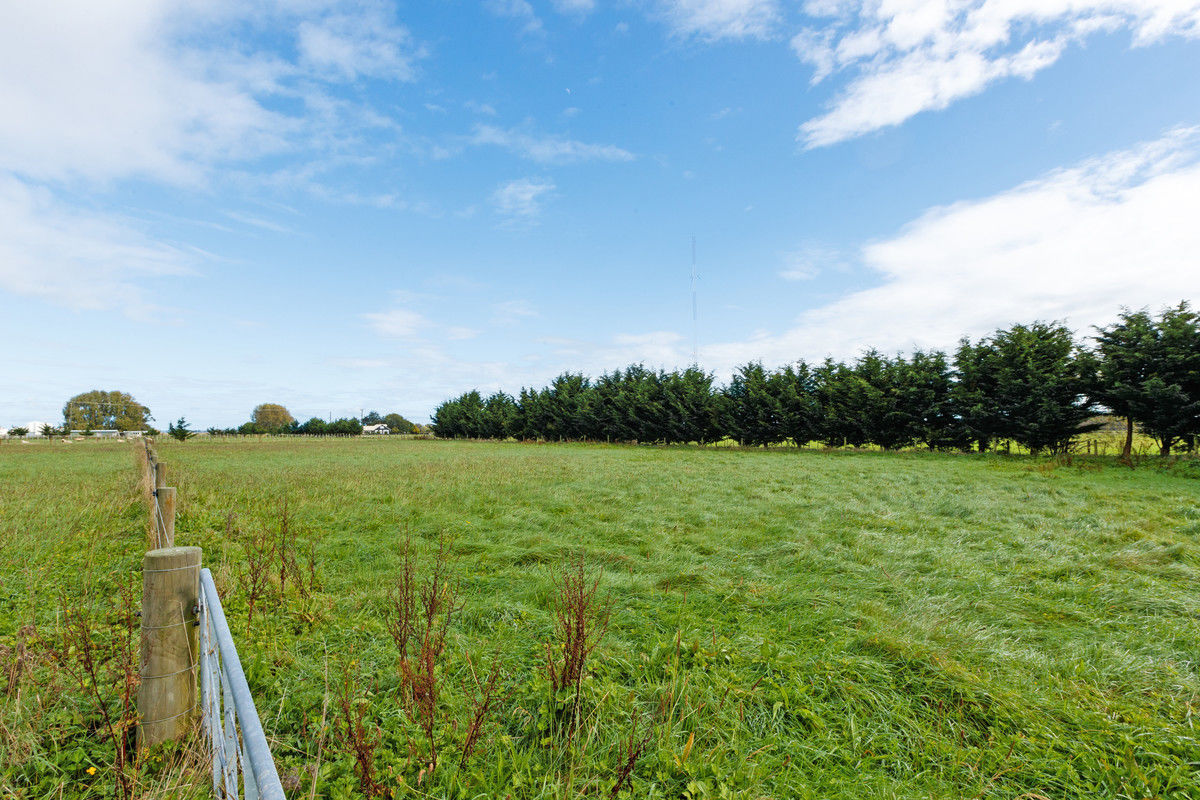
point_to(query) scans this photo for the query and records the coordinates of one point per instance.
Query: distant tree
(975, 393)
(314, 427)
(690, 410)
(755, 410)
(49, 430)
(248, 428)
(1149, 372)
(344, 427)
(398, 424)
(179, 430)
(100, 410)
(498, 417)
(373, 418)
(568, 408)
(18, 431)
(928, 394)
(461, 417)
(271, 418)
(215, 432)
(1037, 382)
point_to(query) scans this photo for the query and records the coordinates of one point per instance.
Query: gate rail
(228, 709)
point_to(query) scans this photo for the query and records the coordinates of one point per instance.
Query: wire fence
(241, 760)
(228, 710)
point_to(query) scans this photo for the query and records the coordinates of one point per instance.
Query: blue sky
(369, 205)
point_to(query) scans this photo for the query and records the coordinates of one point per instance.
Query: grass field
(783, 623)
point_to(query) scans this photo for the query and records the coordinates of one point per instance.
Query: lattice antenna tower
(695, 315)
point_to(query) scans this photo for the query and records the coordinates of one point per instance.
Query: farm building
(376, 430)
(110, 434)
(34, 429)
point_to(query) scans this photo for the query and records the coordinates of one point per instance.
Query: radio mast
(695, 317)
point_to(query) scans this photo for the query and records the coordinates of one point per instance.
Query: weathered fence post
(160, 474)
(169, 654)
(166, 506)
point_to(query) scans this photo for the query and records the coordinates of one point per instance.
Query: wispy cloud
(521, 199)
(1075, 244)
(77, 258)
(511, 312)
(398, 323)
(364, 44)
(547, 149)
(721, 19)
(519, 10)
(810, 261)
(579, 7)
(475, 107)
(258, 222)
(910, 56)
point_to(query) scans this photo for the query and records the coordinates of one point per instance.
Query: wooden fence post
(166, 505)
(160, 475)
(169, 653)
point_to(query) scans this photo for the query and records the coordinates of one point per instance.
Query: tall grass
(783, 623)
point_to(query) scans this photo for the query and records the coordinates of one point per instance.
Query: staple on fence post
(169, 653)
(166, 506)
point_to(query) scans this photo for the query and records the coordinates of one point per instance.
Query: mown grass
(791, 623)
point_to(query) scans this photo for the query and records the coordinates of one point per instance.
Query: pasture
(783, 623)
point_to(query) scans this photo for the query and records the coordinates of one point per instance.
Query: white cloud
(511, 312)
(366, 44)
(169, 89)
(398, 323)
(97, 91)
(487, 109)
(521, 11)
(1074, 245)
(258, 222)
(174, 92)
(79, 259)
(910, 56)
(547, 149)
(522, 198)
(574, 6)
(721, 19)
(810, 261)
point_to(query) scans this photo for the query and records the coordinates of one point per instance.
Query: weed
(632, 748)
(581, 617)
(359, 738)
(97, 668)
(258, 551)
(419, 616)
(484, 696)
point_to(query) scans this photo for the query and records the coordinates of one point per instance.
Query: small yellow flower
(91, 770)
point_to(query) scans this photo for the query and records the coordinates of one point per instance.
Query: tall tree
(1040, 383)
(100, 410)
(755, 408)
(271, 418)
(498, 417)
(1149, 373)
(179, 430)
(397, 423)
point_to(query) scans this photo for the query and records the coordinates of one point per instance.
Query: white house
(376, 430)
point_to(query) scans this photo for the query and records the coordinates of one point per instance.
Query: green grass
(823, 624)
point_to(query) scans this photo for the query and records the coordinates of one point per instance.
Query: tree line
(1035, 385)
(274, 419)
